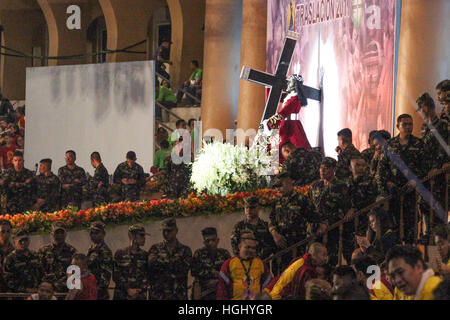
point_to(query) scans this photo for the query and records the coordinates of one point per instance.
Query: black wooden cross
(278, 82)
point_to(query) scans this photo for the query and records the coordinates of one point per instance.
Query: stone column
(423, 54)
(221, 64)
(253, 54)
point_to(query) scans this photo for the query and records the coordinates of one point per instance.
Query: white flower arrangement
(222, 168)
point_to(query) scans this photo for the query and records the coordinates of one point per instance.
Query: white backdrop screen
(107, 108)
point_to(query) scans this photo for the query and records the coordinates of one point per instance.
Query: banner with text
(350, 45)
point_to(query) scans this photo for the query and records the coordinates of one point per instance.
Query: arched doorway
(97, 36)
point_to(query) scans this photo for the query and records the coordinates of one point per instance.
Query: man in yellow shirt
(410, 275)
(379, 289)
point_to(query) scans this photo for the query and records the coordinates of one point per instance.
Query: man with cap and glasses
(100, 259)
(72, 178)
(130, 176)
(293, 217)
(130, 267)
(22, 271)
(6, 247)
(332, 203)
(56, 257)
(253, 223)
(206, 265)
(169, 264)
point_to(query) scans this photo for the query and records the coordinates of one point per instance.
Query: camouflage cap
(329, 162)
(251, 201)
(169, 223)
(137, 229)
(58, 226)
(98, 225)
(210, 231)
(19, 233)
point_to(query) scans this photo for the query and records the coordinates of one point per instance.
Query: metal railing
(340, 224)
(179, 88)
(168, 111)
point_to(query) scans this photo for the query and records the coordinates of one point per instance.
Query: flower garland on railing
(132, 212)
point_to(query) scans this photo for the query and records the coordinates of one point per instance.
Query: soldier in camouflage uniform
(368, 153)
(56, 257)
(130, 176)
(362, 190)
(47, 188)
(380, 138)
(72, 178)
(176, 180)
(408, 150)
(432, 129)
(99, 183)
(257, 226)
(292, 218)
(345, 150)
(100, 260)
(443, 94)
(22, 270)
(130, 267)
(19, 186)
(331, 200)
(302, 165)
(206, 265)
(6, 247)
(169, 263)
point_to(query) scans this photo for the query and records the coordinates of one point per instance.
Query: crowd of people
(12, 130)
(335, 264)
(24, 190)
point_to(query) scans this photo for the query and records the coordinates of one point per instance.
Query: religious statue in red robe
(291, 130)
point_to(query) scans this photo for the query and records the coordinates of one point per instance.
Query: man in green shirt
(165, 97)
(161, 155)
(192, 84)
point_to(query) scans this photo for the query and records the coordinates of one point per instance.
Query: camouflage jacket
(169, 271)
(19, 198)
(176, 181)
(22, 271)
(130, 271)
(331, 201)
(101, 266)
(54, 263)
(343, 165)
(4, 252)
(303, 166)
(206, 266)
(130, 192)
(48, 188)
(74, 194)
(436, 155)
(261, 233)
(412, 155)
(291, 215)
(363, 191)
(100, 194)
(367, 154)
